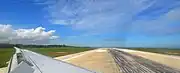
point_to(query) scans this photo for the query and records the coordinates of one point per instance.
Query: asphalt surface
(129, 63)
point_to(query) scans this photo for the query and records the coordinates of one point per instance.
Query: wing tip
(18, 50)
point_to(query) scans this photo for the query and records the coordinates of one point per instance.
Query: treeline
(30, 46)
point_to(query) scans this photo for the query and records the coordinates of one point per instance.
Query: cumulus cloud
(6, 33)
(25, 36)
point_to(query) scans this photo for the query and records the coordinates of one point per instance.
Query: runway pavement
(134, 64)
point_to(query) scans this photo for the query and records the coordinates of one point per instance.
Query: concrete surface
(169, 60)
(129, 63)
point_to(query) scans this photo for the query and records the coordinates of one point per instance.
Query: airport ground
(106, 60)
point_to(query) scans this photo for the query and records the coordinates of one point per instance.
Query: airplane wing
(25, 61)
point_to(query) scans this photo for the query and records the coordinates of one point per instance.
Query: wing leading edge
(25, 61)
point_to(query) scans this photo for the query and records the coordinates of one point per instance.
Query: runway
(134, 64)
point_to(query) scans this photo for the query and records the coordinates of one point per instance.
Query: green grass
(5, 54)
(66, 50)
(161, 51)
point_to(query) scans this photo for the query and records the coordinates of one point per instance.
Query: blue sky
(105, 23)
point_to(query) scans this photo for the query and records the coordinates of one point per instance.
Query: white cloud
(25, 36)
(167, 24)
(97, 15)
(62, 22)
(173, 15)
(6, 33)
(113, 15)
(100, 15)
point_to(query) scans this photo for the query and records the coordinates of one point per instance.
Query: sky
(95, 23)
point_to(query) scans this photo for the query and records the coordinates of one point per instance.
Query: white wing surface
(25, 61)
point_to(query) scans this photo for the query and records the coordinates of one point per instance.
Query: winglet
(18, 50)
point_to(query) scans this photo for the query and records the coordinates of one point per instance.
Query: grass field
(161, 51)
(5, 54)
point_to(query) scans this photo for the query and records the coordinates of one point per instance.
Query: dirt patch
(56, 54)
(3, 70)
(99, 61)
